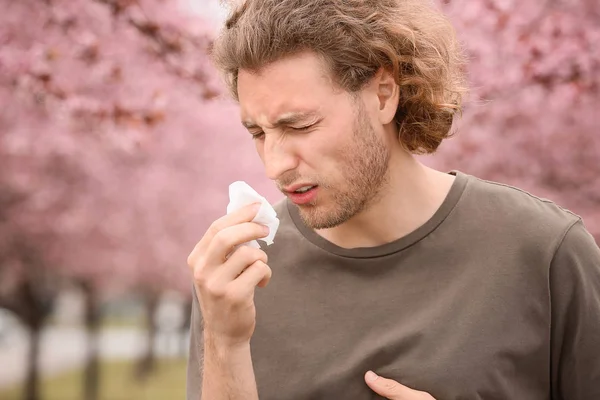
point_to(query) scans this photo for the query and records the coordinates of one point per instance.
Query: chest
(463, 332)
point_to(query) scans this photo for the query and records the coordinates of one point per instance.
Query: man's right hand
(225, 279)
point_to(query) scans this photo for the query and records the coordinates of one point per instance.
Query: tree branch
(166, 45)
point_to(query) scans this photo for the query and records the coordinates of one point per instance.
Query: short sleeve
(575, 327)
(194, 367)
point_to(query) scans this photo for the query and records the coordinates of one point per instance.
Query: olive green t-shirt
(497, 296)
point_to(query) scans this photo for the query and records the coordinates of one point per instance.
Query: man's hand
(225, 277)
(393, 390)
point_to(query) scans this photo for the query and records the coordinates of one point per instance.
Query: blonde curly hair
(410, 38)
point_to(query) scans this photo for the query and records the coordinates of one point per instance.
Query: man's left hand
(393, 390)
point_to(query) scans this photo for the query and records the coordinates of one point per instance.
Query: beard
(364, 168)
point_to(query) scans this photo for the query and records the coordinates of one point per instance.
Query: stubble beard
(365, 174)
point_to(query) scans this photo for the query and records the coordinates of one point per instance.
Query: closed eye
(257, 135)
(302, 128)
(260, 134)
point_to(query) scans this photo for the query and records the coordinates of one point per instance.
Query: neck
(411, 197)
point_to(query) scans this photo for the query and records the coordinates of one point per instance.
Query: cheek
(318, 152)
(329, 157)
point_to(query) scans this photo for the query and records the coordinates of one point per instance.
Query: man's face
(311, 135)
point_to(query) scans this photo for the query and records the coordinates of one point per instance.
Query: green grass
(117, 383)
(109, 323)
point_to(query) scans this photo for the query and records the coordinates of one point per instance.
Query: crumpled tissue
(240, 195)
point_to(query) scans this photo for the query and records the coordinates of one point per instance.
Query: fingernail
(371, 376)
(266, 229)
(256, 206)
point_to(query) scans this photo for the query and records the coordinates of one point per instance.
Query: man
(387, 279)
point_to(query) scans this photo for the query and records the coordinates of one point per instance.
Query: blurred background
(118, 144)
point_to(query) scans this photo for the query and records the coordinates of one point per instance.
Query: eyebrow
(286, 119)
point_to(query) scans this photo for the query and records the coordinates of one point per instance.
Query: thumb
(392, 390)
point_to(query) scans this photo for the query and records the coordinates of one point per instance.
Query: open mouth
(304, 195)
(304, 189)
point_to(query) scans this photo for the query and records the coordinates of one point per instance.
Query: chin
(319, 217)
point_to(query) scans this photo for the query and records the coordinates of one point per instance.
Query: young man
(446, 286)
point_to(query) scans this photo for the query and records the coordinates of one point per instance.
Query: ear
(388, 95)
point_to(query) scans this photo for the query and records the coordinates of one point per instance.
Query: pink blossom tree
(86, 89)
(532, 118)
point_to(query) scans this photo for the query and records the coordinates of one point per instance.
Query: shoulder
(513, 204)
(515, 214)
(579, 248)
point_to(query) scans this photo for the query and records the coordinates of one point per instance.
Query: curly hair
(410, 38)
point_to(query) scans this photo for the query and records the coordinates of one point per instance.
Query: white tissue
(241, 194)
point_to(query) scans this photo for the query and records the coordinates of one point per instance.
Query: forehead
(298, 83)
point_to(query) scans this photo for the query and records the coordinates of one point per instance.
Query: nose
(277, 156)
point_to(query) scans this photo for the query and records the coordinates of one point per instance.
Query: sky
(211, 9)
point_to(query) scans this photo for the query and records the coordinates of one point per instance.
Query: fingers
(226, 274)
(244, 214)
(393, 390)
(240, 260)
(225, 240)
(237, 279)
(257, 274)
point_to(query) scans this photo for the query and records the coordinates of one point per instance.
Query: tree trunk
(147, 363)
(185, 328)
(32, 304)
(31, 388)
(31, 299)
(91, 384)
